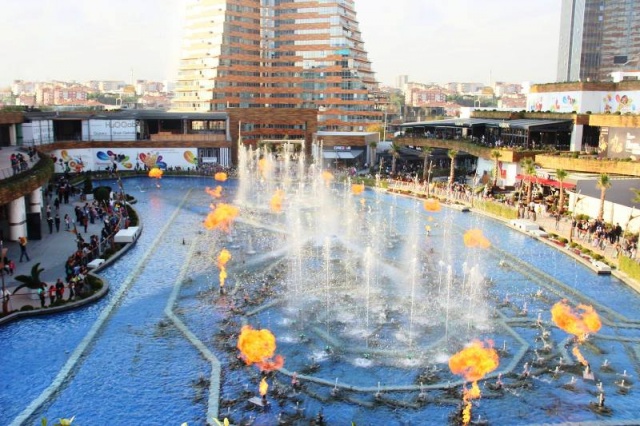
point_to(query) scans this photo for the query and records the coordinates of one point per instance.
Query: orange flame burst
(432, 205)
(215, 193)
(276, 201)
(357, 189)
(580, 324)
(263, 167)
(258, 347)
(155, 173)
(223, 258)
(327, 177)
(474, 238)
(221, 217)
(473, 363)
(220, 176)
(264, 386)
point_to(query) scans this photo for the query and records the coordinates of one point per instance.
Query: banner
(99, 159)
(109, 130)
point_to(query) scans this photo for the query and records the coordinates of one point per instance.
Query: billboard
(109, 130)
(79, 160)
(619, 142)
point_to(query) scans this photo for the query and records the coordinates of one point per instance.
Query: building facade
(598, 37)
(277, 54)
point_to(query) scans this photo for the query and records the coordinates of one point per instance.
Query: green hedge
(629, 267)
(497, 209)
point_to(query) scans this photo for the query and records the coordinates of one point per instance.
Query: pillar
(17, 219)
(13, 135)
(576, 137)
(35, 201)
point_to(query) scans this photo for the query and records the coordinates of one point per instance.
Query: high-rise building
(598, 37)
(277, 54)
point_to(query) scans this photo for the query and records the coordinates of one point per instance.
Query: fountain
(366, 312)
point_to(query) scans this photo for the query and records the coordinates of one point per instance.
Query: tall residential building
(598, 37)
(277, 54)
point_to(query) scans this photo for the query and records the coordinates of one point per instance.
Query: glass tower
(598, 37)
(277, 54)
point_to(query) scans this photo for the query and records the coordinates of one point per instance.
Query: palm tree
(496, 154)
(32, 281)
(373, 146)
(395, 153)
(529, 170)
(603, 183)
(426, 152)
(452, 153)
(561, 175)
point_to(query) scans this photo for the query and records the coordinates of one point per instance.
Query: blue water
(140, 369)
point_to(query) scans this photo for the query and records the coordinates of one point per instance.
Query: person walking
(67, 221)
(50, 223)
(23, 248)
(42, 296)
(57, 222)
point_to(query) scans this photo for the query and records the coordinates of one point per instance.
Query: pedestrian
(59, 290)
(50, 223)
(41, 295)
(52, 294)
(557, 220)
(23, 248)
(57, 222)
(67, 221)
(72, 290)
(56, 203)
(85, 222)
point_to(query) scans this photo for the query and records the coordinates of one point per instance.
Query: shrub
(629, 266)
(27, 308)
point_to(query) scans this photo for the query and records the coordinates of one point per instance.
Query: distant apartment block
(597, 38)
(277, 54)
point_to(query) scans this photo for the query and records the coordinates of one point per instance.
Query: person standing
(50, 223)
(23, 248)
(57, 222)
(67, 221)
(42, 296)
(59, 290)
(72, 289)
(52, 294)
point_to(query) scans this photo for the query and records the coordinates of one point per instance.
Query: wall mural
(619, 102)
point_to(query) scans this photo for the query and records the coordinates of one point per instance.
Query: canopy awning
(546, 182)
(342, 155)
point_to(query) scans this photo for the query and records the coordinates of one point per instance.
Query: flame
(327, 177)
(257, 347)
(427, 228)
(215, 193)
(473, 363)
(264, 386)
(263, 167)
(474, 238)
(580, 324)
(223, 258)
(432, 205)
(276, 201)
(155, 173)
(221, 217)
(220, 176)
(363, 201)
(357, 189)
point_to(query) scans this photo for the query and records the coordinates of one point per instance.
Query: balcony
(28, 181)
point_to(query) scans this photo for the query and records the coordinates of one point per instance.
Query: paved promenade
(52, 252)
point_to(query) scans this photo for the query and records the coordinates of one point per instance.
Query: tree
(561, 175)
(496, 154)
(452, 153)
(102, 194)
(32, 281)
(426, 152)
(603, 183)
(395, 154)
(529, 170)
(88, 185)
(376, 128)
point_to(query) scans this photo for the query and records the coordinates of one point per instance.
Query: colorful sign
(77, 160)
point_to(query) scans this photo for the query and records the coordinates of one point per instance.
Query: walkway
(52, 251)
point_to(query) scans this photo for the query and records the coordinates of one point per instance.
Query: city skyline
(467, 41)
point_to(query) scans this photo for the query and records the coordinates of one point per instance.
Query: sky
(429, 40)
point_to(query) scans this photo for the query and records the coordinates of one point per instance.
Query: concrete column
(13, 135)
(17, 219)
(576, 137)
(35, 201)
